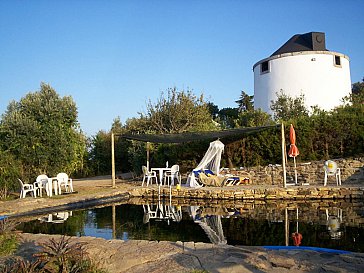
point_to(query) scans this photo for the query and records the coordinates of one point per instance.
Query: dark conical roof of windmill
(311, 41)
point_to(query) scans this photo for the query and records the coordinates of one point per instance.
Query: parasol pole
(295, 170)
(286, 226)
(148, 156)
(283, 158)
(297, 219)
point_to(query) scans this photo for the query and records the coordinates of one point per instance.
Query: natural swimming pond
(337, 225)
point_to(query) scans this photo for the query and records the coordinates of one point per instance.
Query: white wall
(310, 73)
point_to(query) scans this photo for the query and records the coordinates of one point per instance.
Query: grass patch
(8, 244)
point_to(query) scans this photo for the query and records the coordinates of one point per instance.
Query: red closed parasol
(293, 150)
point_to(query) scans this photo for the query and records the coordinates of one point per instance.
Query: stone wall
(262, 192)
(352, 172)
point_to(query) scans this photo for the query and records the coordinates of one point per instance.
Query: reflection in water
(296, 236)
(338, 225)
(162, 212)
(210, 223)
(334, 222)
(56, 218)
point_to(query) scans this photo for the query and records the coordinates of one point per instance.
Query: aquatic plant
(63, 256)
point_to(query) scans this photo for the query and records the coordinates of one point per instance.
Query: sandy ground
(85, 190)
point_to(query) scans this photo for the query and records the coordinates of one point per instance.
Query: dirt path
(86, 191)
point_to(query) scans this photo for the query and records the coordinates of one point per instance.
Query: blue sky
(113, 56)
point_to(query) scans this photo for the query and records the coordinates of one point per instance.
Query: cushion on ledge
(197, 173)
(208, 172)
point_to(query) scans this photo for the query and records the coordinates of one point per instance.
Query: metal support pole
(284, 158)
(112, 160)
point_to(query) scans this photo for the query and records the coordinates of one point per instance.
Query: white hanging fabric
(210, 161)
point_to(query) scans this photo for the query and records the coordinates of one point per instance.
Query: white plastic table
(52, 182)
(161, 171)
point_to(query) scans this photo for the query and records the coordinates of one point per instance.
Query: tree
(41, 130)
(246, 102)
(357, 96)
(286, 107)
(116, 126)
(254, 118)
(213, 109)
(10, 170)
(228, 116)
(178, 112)
(100, 153)
(358, 87)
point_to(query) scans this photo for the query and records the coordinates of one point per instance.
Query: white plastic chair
(149, 175)
(150, 212)
(61, 217)
(331, 169)
(25, 188)
(170, 176)
(64, 180)
(43, 184)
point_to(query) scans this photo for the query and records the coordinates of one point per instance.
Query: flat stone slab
(159, 257)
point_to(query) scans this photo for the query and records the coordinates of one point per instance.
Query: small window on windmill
(337, 61)
(264, 67)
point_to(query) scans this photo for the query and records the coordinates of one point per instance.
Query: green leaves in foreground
(57, 256)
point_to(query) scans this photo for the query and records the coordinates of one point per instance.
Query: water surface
(337, 225)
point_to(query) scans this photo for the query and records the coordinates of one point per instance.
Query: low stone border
(253, 193)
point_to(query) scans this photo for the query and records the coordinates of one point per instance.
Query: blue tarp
(318, 249)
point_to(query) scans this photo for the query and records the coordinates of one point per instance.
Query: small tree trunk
(243, 155)
(228, 153)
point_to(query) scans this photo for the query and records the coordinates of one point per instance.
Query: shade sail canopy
(194, 136)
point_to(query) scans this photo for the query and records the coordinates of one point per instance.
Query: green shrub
(10, 169)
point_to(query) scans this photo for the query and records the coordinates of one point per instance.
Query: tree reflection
(260, 225)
